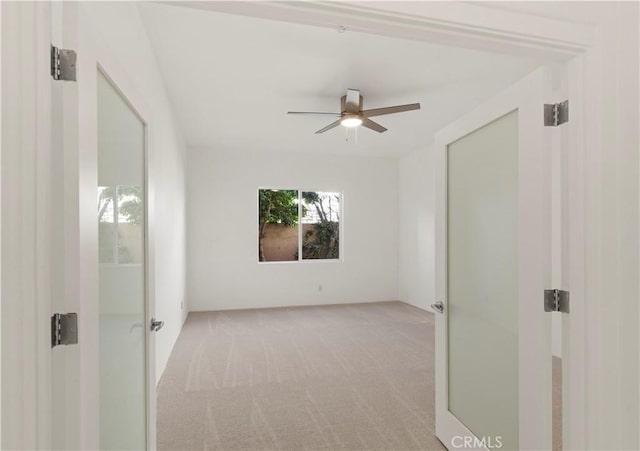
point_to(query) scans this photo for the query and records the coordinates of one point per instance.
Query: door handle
(134, 325)
(156, 325)
(438, 307)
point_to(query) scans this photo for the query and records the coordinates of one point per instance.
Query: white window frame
(300, 259)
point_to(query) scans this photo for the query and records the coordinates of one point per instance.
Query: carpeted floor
(341, 377)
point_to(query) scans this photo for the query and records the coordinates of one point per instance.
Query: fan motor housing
(343, 104)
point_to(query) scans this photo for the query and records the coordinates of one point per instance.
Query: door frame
(28, 154)
(461, 24)
(94, 57)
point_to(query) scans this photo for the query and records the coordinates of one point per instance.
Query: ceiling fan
(352, 115)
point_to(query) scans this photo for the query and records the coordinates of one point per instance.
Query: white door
(108, 377)
(493, 350)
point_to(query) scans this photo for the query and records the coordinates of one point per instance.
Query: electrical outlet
(320, 287)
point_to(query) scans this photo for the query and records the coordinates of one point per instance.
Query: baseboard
(230, 309)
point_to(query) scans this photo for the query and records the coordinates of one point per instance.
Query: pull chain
(355, 134)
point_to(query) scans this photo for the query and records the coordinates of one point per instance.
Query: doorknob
(438, 307)
(156, 325)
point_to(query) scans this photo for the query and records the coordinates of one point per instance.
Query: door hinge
(556, 113)
(556, 301)
(64, 329)
(63, 64)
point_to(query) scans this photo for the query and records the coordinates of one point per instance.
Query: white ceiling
(231, 80)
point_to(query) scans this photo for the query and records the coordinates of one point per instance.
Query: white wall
(0, 226)
(416, 258)
(223, 271)
(118, 29)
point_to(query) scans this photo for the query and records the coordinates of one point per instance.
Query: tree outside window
(120, 223)
(298, 225)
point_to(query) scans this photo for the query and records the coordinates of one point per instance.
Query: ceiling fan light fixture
(352, 115)
(351, 120)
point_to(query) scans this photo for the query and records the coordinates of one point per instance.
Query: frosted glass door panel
(482, 280)
(121, 232)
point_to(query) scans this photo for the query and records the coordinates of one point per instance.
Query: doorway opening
(284, 154)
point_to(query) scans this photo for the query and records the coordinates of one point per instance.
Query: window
(296, 225)
(120, 220)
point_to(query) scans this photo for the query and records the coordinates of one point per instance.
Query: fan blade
(373, 125)
(314, 113)
(352, 102)
(329, 127)
(391, 110)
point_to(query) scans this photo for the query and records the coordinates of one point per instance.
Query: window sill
(314, 261)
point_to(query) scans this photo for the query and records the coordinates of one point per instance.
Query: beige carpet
(341, 377)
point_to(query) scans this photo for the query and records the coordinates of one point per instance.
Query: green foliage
(311, 197)
(275, 207)
(323, 242)
(281, 207)
(132, 208)
(278, 207)
(130, 204)
(104, 200)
